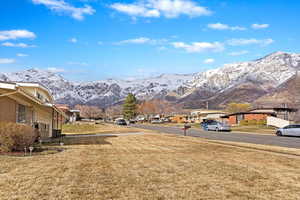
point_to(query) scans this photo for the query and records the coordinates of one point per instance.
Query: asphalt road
(292, 142)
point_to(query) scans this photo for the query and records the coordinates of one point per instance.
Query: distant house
(259, 114)
(32, 104)
(202, 115)
(280, 112)
(179, 118)
(73, 115)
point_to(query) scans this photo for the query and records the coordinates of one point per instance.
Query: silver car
(290, 130)
(218, 126)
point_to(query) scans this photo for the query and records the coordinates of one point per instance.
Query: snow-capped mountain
(240, 82)
(274, 69)
(230, 82)
(101, 93)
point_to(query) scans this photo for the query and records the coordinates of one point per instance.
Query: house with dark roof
(260, 114)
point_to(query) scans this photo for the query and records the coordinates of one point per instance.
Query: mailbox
(186, 126)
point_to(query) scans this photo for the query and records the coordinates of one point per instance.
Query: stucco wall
(44, 115)
(7, 109)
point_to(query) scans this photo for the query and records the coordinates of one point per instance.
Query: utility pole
(207, 105)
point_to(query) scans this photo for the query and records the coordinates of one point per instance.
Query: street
(291, 142)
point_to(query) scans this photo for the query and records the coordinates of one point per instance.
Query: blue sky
(96, 39)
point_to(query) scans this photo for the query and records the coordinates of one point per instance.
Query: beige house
(199, 116)
(32, 104)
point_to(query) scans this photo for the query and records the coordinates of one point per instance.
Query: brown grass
(254, 129)
(88, 128)
(151, 166)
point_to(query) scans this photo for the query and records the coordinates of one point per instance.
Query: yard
(92, 128)
(150, 166)
(254, 129)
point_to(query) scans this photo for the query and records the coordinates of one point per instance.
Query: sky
(86, 40)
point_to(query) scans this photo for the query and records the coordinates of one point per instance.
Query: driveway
(291, 142)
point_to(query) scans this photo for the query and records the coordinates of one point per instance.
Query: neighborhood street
(291, 142)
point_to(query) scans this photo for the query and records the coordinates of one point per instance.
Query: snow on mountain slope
(102, 93)
(273, 69)
(267, 72)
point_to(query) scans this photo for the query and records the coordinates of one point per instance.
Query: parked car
(290, 130)
(132, 121)
(156, 121)
(218, 126)
(121, 122)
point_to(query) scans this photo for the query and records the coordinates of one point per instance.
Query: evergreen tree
(130, 107)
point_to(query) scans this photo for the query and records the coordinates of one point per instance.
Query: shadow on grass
(101, 140)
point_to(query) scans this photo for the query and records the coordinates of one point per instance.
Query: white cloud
(162, 48)
(55, 70)
(21, 45)
(158, 8)
(260, 26)
(21, 55)
(142, 40)
(220, 26)
(60, 6)
(238, 53)
(73, 40)
(6, 61)
(77, 63)
(16, 34)
(241, 42)
(209, 61)
(198, 47)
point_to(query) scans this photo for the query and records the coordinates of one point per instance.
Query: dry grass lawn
(151, 166)
(254, 129)
(91, 128)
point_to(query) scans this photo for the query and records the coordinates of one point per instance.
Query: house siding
(256, 116)
(8, 109)
(232, 120)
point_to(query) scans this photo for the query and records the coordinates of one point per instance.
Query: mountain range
(257, 82)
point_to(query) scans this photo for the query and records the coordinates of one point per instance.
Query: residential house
(32, 104)
(199, 116)
(179, 118)
(259, 114)
(73, 115)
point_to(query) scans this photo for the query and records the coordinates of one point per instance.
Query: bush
(244, 122)
(262, 122)
(252, 122)
(15, 137)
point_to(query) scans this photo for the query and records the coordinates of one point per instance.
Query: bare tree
(157, 106)
(90, 112)
(113, 111)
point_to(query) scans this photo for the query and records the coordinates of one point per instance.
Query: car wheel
(278, 133)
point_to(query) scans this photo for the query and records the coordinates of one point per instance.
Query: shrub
(252, 122)
(262, 122)
(15, 137)
(244, 122)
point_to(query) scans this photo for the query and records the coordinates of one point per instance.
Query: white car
(218, 126)
(290, 130)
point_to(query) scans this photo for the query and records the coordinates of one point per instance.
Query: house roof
(242, 113)
(17, 86)
(277, 109)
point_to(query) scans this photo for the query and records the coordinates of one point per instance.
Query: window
(239, 118)
(21, 118)
(39, 96)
